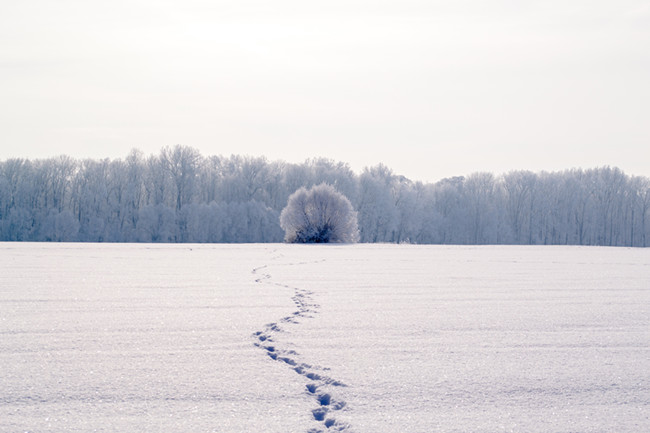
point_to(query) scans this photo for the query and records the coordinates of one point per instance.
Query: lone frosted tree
(319, 215)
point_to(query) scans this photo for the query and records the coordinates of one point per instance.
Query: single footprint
(319, 414)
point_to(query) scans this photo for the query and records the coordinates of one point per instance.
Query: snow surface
(306, 338)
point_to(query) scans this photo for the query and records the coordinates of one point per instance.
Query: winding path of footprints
(318, 385)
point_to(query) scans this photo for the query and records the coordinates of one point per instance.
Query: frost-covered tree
(319, 215)
(519, 200)
(378, 214)
(181, 164)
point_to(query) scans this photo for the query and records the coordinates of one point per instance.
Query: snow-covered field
(289, 338)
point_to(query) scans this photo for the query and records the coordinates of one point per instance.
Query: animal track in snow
(318, 384)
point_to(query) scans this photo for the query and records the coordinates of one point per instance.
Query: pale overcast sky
(430, 88)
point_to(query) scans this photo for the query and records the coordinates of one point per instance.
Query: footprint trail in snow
(318, 385)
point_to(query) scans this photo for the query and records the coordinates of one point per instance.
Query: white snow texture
(359, 338)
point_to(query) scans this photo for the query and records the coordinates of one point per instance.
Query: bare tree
(181, 163)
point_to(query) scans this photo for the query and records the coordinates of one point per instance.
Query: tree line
(178, 195)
